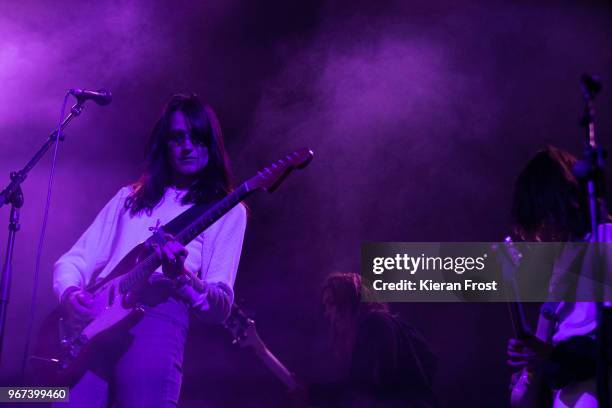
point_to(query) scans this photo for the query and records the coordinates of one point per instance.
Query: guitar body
(69, 354)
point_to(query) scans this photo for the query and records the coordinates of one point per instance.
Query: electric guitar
(115, 297)
(245, 334)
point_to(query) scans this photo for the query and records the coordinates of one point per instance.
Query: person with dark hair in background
(388, 363)
(549, 203)
(186, 164)
(558, 366)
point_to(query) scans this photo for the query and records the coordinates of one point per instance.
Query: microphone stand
(591, 168)
(13, 195)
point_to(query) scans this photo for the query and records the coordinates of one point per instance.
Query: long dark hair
(547, 195)
(213, 182)
(347, 292)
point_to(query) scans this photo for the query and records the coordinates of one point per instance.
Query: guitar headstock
(509, 257)
(242, 329)
(513, 252)
(270, 177)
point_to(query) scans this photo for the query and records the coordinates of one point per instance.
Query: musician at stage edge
(557, 365)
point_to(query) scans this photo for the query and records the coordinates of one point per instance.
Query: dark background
(420, 114)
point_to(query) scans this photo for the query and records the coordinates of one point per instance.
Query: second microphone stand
(591, 169)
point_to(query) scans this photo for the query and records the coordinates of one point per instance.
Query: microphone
(101, 96)
(591, 85)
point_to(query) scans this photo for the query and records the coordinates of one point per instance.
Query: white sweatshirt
(213, 256)
(580, 318)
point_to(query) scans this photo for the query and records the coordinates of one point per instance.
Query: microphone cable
(41, 239)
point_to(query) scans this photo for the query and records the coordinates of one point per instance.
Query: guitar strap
(181, 221)
(173, 227)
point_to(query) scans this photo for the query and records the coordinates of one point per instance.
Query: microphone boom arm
(17, 177)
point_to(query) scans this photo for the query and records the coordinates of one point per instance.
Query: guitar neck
(519, 322)
(510, 258)
(192, 222)
(212, 214)
(278, 368)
